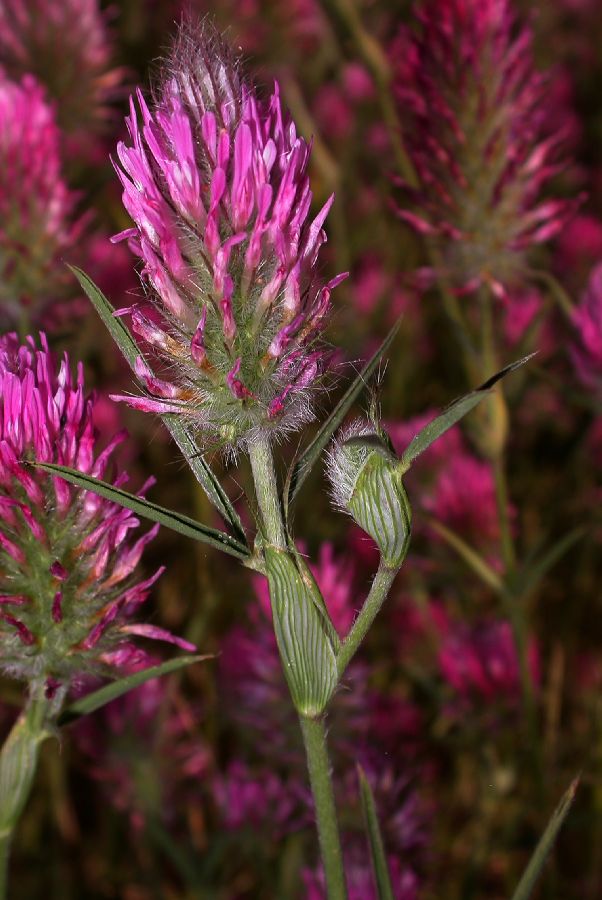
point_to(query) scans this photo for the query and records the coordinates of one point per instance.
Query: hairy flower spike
(66, 561)
(36, 206)
(479, 140)
(216, 182)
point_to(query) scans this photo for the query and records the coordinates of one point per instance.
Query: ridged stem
(313, 730)
(379, 591)
(314, 738)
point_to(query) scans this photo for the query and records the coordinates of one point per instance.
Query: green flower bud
(365, 477)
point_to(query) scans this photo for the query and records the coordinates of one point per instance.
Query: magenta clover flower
(216, 182)
(480, 140)
(67, 563)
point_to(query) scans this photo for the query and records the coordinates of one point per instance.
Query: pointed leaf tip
(546, 842)
(452, 414)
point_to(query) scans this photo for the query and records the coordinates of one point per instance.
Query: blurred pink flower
(68, 47)
(333, 111)
(463, 497)
(477, 117)
(357, 82)
(579, 246)
(520, 309)
(260, 799)
(67, 566)
(373, 288)
(480, 660)
(586, 350)
(36, 206)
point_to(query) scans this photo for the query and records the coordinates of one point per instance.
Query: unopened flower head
(36, 206)
(216, 182)
(67, 46)
(366, 482)
(66, 559)
(479, 140)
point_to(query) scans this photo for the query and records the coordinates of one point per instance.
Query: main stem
(313, 730)
(314, 738)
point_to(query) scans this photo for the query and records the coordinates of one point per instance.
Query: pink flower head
(36, 206)
(67, 563)
(481, 661)
(67, 46)
(480, 140)
(586, 351)
(216, 182)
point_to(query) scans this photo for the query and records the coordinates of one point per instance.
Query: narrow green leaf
(142, 507)
(304, 464)
(178, 430)
(536, 863)
(91, 702)
(204, 474)
(115, 324)
(380, 869)
(532, 573)
(452, 414)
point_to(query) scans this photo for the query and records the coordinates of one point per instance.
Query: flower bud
(365, 477)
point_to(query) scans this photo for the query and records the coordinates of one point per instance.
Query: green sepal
(303, 465)
(169, 518)
(382, 880)
(97, 699)
(546, 842)
(177, 428)
(303, 633)
(452, 414)
(380, 506)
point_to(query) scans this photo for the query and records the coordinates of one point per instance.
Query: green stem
(513, 602)
(266, 490)
(5, 839)
(314, 733)
(502, 499)
(378, 594)
(314, 738)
